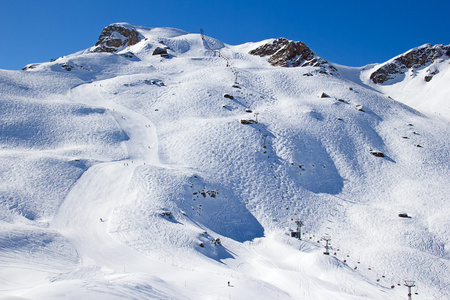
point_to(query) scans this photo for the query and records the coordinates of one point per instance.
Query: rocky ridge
(116, 36)
(285, 53)
(414, 59)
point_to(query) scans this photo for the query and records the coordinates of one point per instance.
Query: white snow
(118, 174)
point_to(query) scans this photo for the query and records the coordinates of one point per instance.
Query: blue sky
(352, 33)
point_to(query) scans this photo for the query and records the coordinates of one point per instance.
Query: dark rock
(360, 108)
(403, 215)
(128, 54)
(428, 78)
(29, 67)
(67, 67)
(324, 95)
(228, 96)
(245, 122)
(166, 214)
(414, 59)
(285, 53)
(212, 194)
(159, 51)
(377, 153)
(116, 36)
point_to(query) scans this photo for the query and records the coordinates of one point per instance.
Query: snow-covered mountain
(161, 164)
(418, 78)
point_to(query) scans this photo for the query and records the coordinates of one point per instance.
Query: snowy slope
(118, 174)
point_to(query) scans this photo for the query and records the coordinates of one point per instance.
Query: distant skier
(101, 220)
(229, 283)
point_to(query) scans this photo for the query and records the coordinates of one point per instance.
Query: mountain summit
(115, 37)
(421, 57)
(285, 53)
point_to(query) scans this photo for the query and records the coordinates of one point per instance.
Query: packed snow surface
(131, 176)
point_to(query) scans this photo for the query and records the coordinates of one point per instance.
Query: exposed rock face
(285, 53)
(160, 51)
(116, 36)
(414, 59)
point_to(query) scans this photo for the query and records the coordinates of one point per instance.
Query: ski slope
(119, 174)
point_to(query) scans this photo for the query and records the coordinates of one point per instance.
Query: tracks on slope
(102, 187)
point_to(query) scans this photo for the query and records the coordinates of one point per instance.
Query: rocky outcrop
(414, 59)
(286, 53)
(115, 37)
(161, 51)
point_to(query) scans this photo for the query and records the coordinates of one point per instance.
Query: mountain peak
(116, 36)
(415, 58)
(288, 53)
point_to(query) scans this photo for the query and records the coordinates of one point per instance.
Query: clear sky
(348, 32)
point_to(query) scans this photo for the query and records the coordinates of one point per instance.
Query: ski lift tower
(235, 72)
(299, 228)
(409, 284)
(202, 33)
(256, 116)
(326, 238)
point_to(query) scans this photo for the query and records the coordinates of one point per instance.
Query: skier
(101, 220)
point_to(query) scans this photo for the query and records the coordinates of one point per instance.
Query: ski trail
(142, 145)
(83, 216)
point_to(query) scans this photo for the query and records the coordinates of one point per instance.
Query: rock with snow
(285, 53)
(414, 59)
(418, 78)
(115, 37)
(159, 51)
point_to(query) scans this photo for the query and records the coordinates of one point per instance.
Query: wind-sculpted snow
(23, 126)
(180, 45)
(130, 175)
(46, 145)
